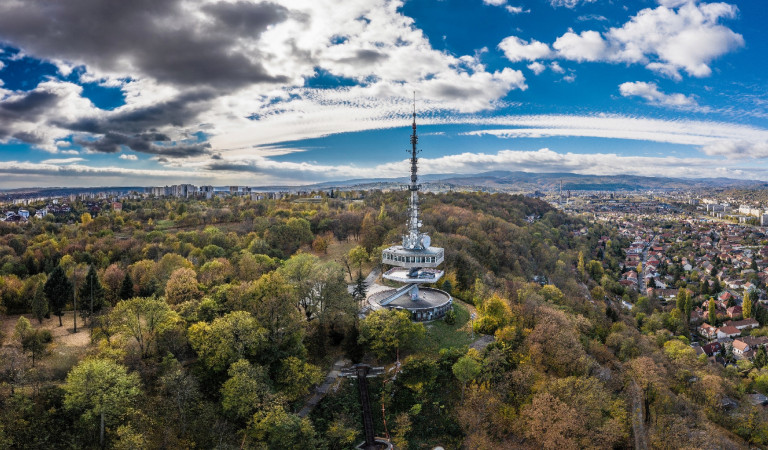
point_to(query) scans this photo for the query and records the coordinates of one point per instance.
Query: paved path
(323, 389)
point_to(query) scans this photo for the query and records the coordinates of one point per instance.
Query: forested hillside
(207, 323)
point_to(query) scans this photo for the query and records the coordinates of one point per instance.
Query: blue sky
(301, 91)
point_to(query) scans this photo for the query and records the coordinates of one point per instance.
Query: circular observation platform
(405, 275)
(431, 303)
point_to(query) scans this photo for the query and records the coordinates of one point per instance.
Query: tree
(100, 388)
(39, 304)
(59, 291)
(580, 266)
(297, 377)
(274, 428)
(31, 340)
(712, 311)
(182, 286)
(274, 306)
(92, 293)
(682, 298)
(360, 289)
(144, 319)
(466, 369)
(387, 330)
(357, 256)
(746, 306)
(234, 336)
(247, 390)
(126, 287)
(112, 280)
(85, 218)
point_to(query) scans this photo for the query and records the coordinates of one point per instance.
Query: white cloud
(650, 92)
(738, 149)
(555, 66)
(62, 161)
(569, 3)
(674, 3)
(684, 132)
(495, 2)
(587, 46)
(69, 152)
(516, 9)
(666, 40)
(570, 78)
(536, 67)
(129, 157)
(516, 49)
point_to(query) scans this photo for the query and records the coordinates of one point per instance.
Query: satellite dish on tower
(425, 240)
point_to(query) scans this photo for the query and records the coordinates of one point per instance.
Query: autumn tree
(182, 286)
(712, 311)
(746, 306)
(100, 388)
(59, 291)
(234, 336)
(144, 319)
(112, 279)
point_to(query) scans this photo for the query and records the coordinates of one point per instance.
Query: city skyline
(259, 93)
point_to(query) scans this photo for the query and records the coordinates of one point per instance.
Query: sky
(255, 93)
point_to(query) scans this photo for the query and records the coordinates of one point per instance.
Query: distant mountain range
(501, 181)
(529, 182)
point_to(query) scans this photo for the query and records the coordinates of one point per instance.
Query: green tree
(144, 319)
(466, 369)
(92, 294)
(126, 287)
(581, 266)
(746, 306)
(247, 390)
(274, 306)
(100, 388)
(387, 330)
(274, 428)
(358, 256)
(32, 341)
(712, 311)
(59, 291)
(39, 304)
(227, 339)
(297, 377)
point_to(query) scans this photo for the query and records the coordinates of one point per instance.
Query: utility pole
(74, 299)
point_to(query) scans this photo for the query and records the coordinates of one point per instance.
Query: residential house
(746, 324)
(708, 331)
(728, 332)
(734, 311)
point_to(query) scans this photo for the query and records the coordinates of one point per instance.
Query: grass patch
(164, 224)
(440, 335)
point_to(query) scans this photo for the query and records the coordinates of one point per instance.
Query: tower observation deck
(415, 262)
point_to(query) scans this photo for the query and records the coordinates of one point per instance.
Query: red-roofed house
(734, 311)
(728, 332)
(708, 331)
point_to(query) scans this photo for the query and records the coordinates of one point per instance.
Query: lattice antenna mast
(413, 225)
